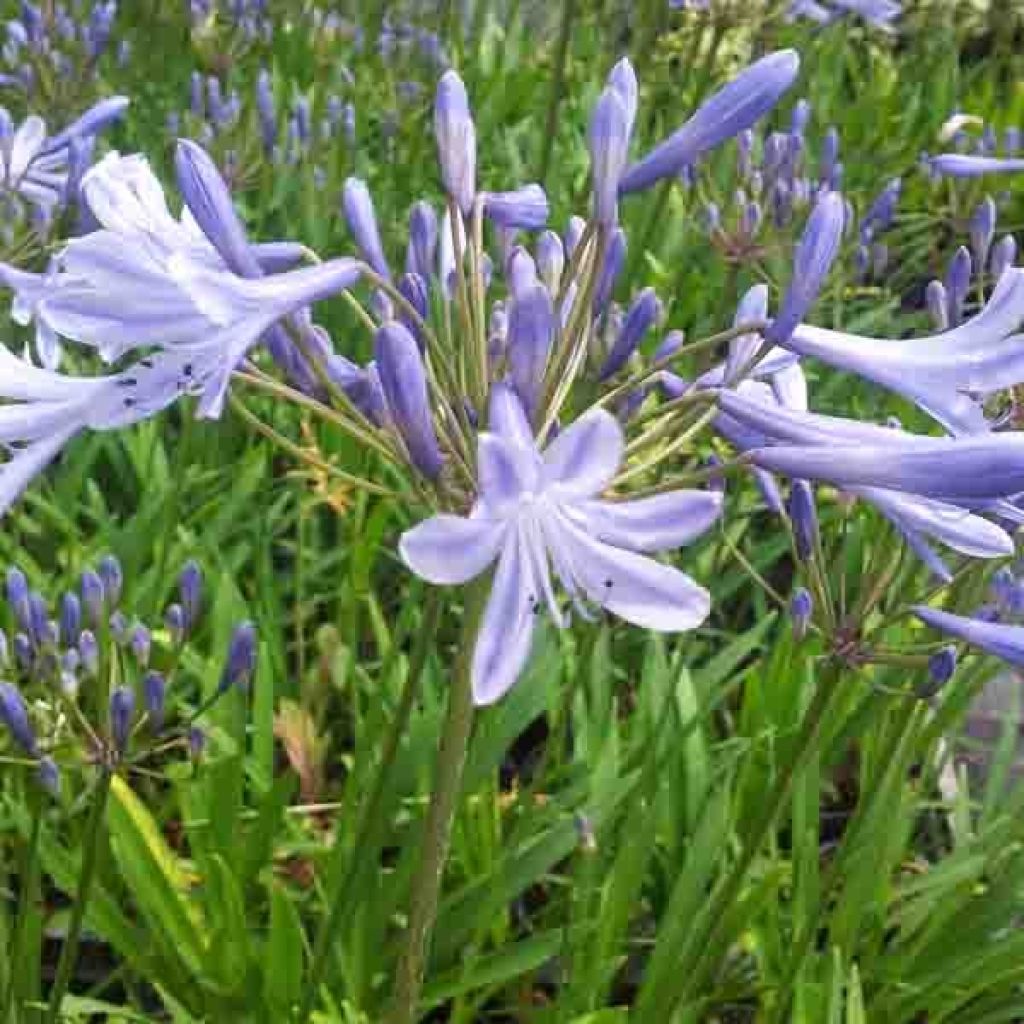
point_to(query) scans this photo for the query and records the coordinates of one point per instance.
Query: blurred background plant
(623, 781)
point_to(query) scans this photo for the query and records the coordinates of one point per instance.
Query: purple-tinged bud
(362, 222)
(608, 139)
(422, 251)
(736, 106)
(267, 110)
(756, 183)
(958, 281)
(208, 199)
(525, 208)
(303, 120)
(119, 627)
(381, 306)
(982, 231)
(110, 573)
(48, 776)
(70, 619)
(23, 653)
(141, 643)
(531, 329)
(815, 253)
(5, 655)
(622, 78)
(752, 308)
(214, 99)
(14, 715)
(241, 660)
(769, 490)
(39, 617)
(1004, 254)
(154, 697)
(781, 204)
(645, 310)
(122, 711)
(404, 381)
(174, 623)
(804, 517)
(550, 260)
(750, 220)
(941, 666)
(611, 266)
(190, 590)
(744, 154)
(573, 234)
(413, 289)
(829, 154)
(1001, 585)
(89, 651)
(18, 598)
(196, 94)
(937, 301)
(800, 117)
(669, 346)
(456, 141)
(1011, 140)
(196, 740)
(348, 123)
(520, 271)
(801, 607)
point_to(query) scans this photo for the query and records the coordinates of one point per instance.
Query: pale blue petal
(449, 549)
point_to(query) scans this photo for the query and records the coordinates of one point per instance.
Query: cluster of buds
(102, 686)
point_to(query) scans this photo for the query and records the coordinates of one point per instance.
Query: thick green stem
(91, 843)
(30, 883)
(372, 822)
(437, 830)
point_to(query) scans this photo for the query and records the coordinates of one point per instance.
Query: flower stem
(30, 882)
(90, 846)
(372, 821)
(557, 88)
(426, 886)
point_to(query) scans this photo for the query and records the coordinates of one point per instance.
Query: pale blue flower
(541, 511)
(1003, 640)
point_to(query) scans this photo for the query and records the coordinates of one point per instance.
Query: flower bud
(941, 666)
(413, 289)
(122, 710)
(550, 260)
(937, 301)
(89, 651)
(18, 598)
(403, 378)
(92, 596)
(804, 517)
(982, 231)
(119, 626)
(644, 312)
(14, 715)
(801, 608)
(958, 281)
(611, 266)
(174, 623)
(154, 697)
(608, 139)
(362, 222)
(70, 619)
(39, 619)
(456, 140)
(141, 644)
(196, 740)
(113, 579)
(23, 652)
(525, 208)
(1004, 254)
(190, 590)
(241, 659)
(422, 250)
(531, 328)
(815, 253)
(573, 233)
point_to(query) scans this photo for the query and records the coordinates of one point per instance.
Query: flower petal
(584, 458)
(507, 471)
(657, 523)
(1000, 639)
(449, 549)
(634, 587)
(506, 630)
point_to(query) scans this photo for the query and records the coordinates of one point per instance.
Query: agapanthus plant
(542, 438)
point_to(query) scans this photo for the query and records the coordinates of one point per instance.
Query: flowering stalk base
(426, 887)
